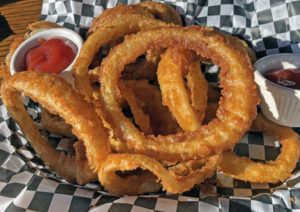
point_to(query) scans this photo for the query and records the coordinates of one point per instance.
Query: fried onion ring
(243, 168)
(117, 28)
(58, 96)
(237, 105)
(171, 182)
(144, 68)
(188, 110)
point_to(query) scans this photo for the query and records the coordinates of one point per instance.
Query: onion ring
(243, 168)
(237, 106)
(188, 111)
(171, 182)
(58, 96)
(118, 27)
(142, 68)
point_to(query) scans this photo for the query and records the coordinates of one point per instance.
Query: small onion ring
(243, 168)
(237, 105)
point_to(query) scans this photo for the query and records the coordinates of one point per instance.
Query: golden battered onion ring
(117, 28)
(188, 110)
(144, 182)
(58, 97)
(237, 106)
(141, 68)
(243, 168)
(197, 83)
(171, 182)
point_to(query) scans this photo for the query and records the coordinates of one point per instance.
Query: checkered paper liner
(26, 184)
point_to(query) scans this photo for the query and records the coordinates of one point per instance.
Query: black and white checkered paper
(26, 184)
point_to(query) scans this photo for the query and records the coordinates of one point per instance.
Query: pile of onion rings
(145, 117)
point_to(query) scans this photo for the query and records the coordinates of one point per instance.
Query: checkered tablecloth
(26, 184)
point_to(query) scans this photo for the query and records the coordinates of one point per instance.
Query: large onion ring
(237, 106)
(141, 68)
(118, 27)
(243, 168)
(188, 110)
(57, 96)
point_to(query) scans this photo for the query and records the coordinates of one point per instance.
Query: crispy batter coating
(142, 68)
(243, 168)
(58, 96)
(237, 105)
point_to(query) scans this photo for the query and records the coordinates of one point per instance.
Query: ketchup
(289, 78)
(52, 56)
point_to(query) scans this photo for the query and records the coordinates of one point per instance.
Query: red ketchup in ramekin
(289, 78)
(52, 56)
(52, 50)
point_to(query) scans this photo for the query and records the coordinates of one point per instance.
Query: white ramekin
(279, 104)
(17, 60)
